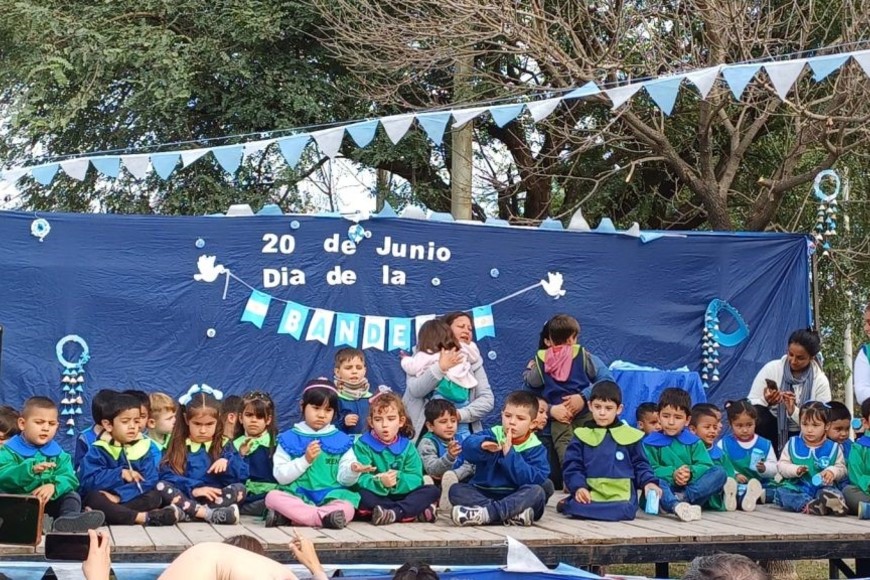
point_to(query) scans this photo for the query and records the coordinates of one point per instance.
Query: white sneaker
(447, 481)
(525, 518)
(470, 516)
(754, 493)
(427, 480)
(729, 494)
(687, 512)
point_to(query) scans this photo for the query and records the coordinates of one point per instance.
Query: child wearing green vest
(811, 465)
(747, 457)
(858, 491)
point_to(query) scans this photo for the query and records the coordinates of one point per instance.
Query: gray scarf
(787, 385)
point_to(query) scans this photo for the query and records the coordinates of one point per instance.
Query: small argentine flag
(484, 325)
(256, 308)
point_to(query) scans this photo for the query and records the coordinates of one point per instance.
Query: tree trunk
(460, 162)
(381, 189)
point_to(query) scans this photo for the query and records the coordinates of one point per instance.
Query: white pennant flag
(540, 110)
(704, 79)
(256, 146)
(863, 59)
(784, 74)
(420, 321)
(329, 140)
(396, 126)
(137, 165)
(320, 326)
(191, 155)
(14, 175)
(619, 95)
(462, 116)
(75, 168)
(375, 332)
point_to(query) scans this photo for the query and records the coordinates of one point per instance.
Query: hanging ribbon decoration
(714, 338)
(826, 216)
(72, 380)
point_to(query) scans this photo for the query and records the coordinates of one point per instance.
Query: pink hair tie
(322, 383)
(382, 390)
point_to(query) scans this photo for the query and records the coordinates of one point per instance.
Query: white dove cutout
(553, 284)
(208, 270)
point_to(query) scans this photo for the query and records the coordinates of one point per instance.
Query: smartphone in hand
(67, 547)
(20, 520)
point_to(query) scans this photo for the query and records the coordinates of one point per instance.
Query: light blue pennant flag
(321, 325)
(363, 133)
(45, 174)
(108, 166)
(292, 147)
(664, 92)
(586, 90)
(434, 124)
(229, 157)
(256, 308)
(293, 320)
(346, 329)
(738, 76)
(824, 65)
(164, 163)
(374, 332)
(484, 324)
(504, 114)
(399, 334)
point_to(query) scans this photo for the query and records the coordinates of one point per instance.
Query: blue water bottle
(756, 457)
(652, 503)
(817, 480)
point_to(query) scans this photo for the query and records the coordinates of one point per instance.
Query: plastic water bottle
(652, 503)
(857, 424)
(817, 480)
(757, 456)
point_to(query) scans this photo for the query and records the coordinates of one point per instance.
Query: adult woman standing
(419, 389)
(784, 384)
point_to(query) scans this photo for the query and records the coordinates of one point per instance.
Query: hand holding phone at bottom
(98, 566)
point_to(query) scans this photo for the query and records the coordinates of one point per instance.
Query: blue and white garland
(713, 339)
(72, 380)
(826, 216)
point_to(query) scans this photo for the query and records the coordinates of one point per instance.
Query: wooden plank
(229, 531)
(199, 531)
(167, 539)
(273, 538)
(314, 534)
(572, 533)
(131, 539)
(382, 535)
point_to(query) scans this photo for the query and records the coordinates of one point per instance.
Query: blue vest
(576, 382)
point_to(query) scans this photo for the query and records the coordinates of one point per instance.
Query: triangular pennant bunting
(256, 146)
(619, 95)
(823, 66)
(396, 126)
(586, 90)
(76, 168)
(363, 133)
(434, 124)
(462, 116)
(540, 110)
(44, 174)
(783, 75)
(664, 92)
(137, 165)
(229, 157)
(329, 140)
(292, 147)
(108, 166)
(704, 79)
(164, 163)
(504, 114)
(738, 77)
(191, 155)
(863, 60)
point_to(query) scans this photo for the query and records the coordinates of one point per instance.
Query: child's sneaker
(470, 516)
(427, 480)
(167, 516)
(224, 515)
(834, 502)
(754, 493)
(525, 518)
(79, 523)
(274, 519)
(428, 515)
(447, 481)
(382, 516)
(729, 494)
(334, 520)
(816, 507)
(687, 512)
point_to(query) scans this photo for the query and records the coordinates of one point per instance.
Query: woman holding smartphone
(784, 384)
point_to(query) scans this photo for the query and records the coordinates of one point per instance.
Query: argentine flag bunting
(484, 325)
(256, 308)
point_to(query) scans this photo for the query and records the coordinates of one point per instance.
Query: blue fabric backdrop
(125, 285)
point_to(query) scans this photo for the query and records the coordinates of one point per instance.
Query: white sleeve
(285, 469)
(861, 377)
(821, 386)
(346, 475)
(768, 371)
(770, 469)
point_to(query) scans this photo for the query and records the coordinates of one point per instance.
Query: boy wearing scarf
(353, 391)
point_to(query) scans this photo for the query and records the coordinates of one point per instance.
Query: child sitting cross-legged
(90, 435)
(706, 422)
(680, 459)
(441, 450)
(33, 463)
(118, 474)
(858, 491)
(510, 470)
(747, 457)
(605, 463)
(811, 465)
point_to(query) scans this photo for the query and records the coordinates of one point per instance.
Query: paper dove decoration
(208, 270)
(553, 285)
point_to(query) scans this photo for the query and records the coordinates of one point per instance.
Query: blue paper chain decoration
(826, 216)
(714, 338)
(72, 380)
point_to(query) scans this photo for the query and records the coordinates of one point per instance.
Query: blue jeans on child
(796, 501)
(501, 506)
(697, 492)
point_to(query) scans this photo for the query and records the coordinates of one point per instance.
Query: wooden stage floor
(767, 533)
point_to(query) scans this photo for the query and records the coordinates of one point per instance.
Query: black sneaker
(334, 520)
(428, 515)
(79, 523)
(274, 519)
(227, 516)
(560, 505)
(816, 508)
(167, 516)
(834, 502)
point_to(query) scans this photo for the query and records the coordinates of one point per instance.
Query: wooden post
(460, 162)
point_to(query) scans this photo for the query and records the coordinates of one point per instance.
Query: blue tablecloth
(642, 386)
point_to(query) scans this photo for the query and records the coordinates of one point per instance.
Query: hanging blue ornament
(200, 243)
(71, 431)
(492, 355)
(40, 228)
(494, 273)
(294, 225)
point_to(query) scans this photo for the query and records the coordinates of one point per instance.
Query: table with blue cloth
(640, 386)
